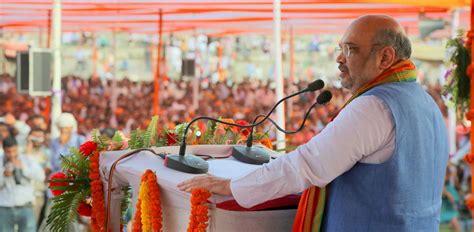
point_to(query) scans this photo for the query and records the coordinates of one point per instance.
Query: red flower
(52, 183)
(87, 148)
(171, 139)
(84, 209)
(245, 131)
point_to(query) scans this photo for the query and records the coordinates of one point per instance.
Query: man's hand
(212, 183)
(10, 119)
(8, 172)
(17, 163)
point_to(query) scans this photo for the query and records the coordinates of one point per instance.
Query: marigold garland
(145, 206)
(137, 223)
(154, 191)
(148, 214)
(199, 218)
(83, 164)
(98, 206)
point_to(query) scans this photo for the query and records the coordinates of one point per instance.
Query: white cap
(67, 120)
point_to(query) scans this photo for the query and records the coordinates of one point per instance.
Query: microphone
(258, 155)
(191, 163)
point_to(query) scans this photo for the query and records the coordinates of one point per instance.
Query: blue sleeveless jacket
(404, 192)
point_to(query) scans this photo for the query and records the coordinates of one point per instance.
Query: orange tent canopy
(235, 16)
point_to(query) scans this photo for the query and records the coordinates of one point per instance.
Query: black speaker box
(33, 72)
(187, 67)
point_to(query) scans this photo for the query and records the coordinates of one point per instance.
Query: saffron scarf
(309, 216)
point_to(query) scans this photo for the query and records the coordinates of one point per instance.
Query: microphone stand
(260, 155)
(191, 163)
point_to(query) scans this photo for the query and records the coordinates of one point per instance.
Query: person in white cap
(68, 138)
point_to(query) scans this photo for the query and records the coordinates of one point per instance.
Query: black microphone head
(315, 85)
(324, 97)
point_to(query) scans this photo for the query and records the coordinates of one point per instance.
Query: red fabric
(290, 201)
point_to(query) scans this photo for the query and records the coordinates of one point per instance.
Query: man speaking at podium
(383, 156)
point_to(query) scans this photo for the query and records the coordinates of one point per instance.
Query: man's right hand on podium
(212, 183)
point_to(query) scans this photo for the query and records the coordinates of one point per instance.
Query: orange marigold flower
(221, 128)
(267, 143)
(199, 218)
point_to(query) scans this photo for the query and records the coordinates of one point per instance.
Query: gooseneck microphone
(191, 163)
(258, 155)
(322, 99)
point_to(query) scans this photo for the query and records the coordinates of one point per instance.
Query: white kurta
(363, 132)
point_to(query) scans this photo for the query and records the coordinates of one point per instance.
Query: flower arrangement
(199, 218)
(148, 214)
(78, 189)
(457, 76)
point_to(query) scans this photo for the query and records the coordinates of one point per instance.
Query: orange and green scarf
(311, 207)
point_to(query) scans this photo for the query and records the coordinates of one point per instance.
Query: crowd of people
(126, 105)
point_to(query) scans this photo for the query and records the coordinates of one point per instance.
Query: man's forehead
(347, 43)
(358, 33)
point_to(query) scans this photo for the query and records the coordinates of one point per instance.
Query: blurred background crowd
(125, 105)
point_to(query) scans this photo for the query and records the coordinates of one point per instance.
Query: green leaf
(458, 84)
(64, 209)
(99, 140)
(150, 132)
(117, 141)
(126, 201)
(136, 139)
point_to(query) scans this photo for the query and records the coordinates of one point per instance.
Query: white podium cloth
(175, 203)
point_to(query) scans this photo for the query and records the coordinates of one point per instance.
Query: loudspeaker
(22, 72)
(34, 72)
(187, 67)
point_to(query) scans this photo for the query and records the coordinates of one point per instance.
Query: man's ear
(388, 57)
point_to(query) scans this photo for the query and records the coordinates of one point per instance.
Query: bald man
(384, 155)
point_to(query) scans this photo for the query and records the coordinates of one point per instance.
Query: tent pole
(94, 57)
(56, 98)
(47, 109)
(196, 73)
(292, 55)
(280, 112)
(452, 111)
(472, 101)
(156, 85)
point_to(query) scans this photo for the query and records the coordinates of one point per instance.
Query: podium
(175, 203)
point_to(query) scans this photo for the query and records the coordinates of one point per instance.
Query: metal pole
(56, 98)
(280, 111)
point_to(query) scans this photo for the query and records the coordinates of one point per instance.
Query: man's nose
(341, 59)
